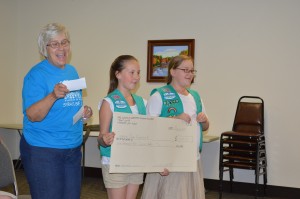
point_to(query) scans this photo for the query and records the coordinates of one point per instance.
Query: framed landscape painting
(160, 52)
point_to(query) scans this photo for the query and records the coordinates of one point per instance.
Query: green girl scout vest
(172, 104)
(121, 105)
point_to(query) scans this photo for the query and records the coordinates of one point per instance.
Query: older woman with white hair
(51, 141)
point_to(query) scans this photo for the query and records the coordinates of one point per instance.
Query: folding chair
(7, 173)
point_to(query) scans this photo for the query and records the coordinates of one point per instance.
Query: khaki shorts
(118, 180)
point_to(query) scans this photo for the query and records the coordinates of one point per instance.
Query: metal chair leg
(265, 181)
(231, 178)
(221, 168)
(257, 170)
(265, 176)
(256, 184)
(83, 160)
(221, 171)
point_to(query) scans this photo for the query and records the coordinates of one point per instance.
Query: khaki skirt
(177, 185)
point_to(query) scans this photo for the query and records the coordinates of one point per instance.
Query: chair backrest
(7, 172)
(249, 116)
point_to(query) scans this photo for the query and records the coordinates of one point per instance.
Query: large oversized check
(150, 144)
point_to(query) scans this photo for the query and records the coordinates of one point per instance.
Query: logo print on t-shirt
(72, 99)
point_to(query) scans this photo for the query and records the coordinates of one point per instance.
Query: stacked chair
(244, 147)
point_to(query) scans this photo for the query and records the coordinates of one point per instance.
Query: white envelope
(75, 84)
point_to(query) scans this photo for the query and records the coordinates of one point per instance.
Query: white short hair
(49, 32)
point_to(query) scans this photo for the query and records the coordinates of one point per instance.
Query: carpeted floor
(93, 188)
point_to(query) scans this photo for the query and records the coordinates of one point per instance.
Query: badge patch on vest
(115, 97)
(172, 109)
(120, 104)
(166, 90)
(170, 102)
(169, 95)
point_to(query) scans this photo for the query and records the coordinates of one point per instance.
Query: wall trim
(249, 189)
(238, 187)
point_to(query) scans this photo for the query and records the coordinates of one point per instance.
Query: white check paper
(78, 115)
(150, 144)
(75, 84)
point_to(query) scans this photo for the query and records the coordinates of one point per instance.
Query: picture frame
(161, 51)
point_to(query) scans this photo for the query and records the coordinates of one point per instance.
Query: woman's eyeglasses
(56, 44)
(185, 70)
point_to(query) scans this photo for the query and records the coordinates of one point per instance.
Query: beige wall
(8, 60)
(9, 72)
(242, 48)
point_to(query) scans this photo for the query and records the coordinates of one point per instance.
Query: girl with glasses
(178, 101)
